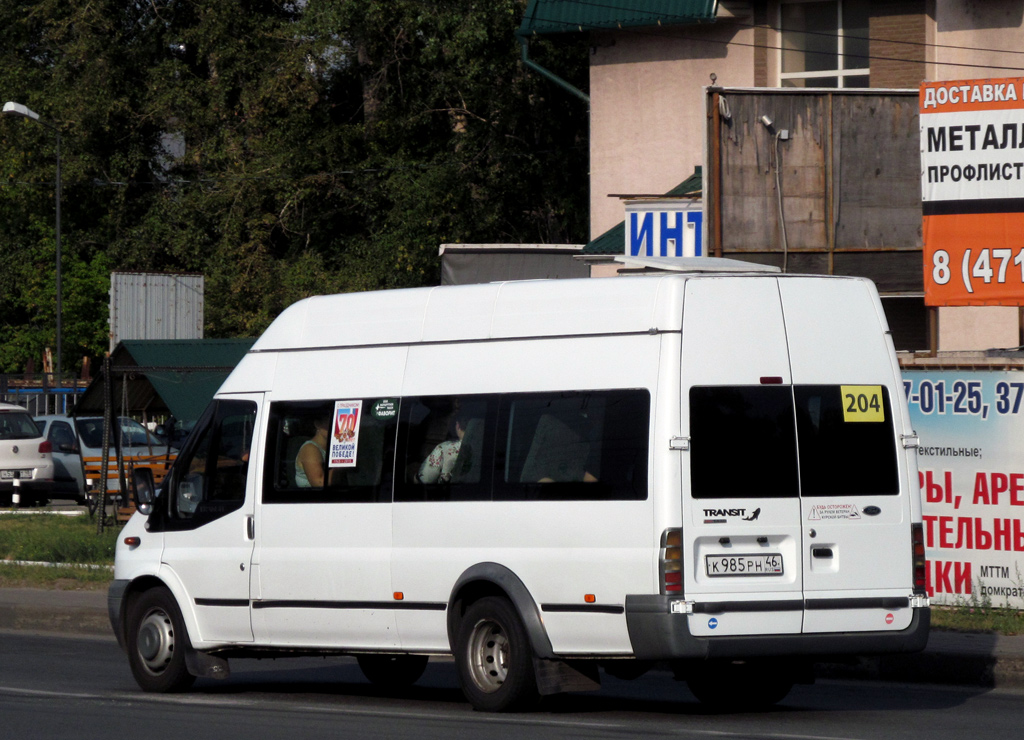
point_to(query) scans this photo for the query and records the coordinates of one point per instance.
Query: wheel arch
(164, 579)
(493, 579)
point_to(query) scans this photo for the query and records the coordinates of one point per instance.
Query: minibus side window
(446, 448)
(210, 476)
(573, 445)
(742, 442)
(300, 435)
(847, 442)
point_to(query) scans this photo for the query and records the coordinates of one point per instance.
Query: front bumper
(658, 634)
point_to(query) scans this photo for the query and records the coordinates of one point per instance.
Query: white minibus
(712, 473)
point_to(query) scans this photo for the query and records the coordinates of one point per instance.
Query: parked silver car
(75, 439)
(68, 473)
(26, 460)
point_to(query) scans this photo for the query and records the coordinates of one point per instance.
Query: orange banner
(972, 192)
(974, 259)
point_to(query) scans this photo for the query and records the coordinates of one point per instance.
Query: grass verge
(967, 618)
(55, 539)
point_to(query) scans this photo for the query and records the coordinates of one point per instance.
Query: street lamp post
(20, 111)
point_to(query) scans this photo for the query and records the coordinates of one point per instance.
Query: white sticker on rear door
(826, 512)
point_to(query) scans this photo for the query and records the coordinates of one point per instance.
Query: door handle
(821, 552)
(250, 528)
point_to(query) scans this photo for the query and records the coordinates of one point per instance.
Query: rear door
(742, 539)
(855, 512)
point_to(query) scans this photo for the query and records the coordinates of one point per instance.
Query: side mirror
(143, 489)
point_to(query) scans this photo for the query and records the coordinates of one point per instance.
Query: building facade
(651, 64)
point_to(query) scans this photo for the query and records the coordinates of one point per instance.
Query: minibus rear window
(777, 441)
(846, 439)
(742, 442)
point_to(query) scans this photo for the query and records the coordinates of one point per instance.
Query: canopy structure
(566, 16)
(153, 377)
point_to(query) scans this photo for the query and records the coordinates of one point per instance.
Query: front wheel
(494, 657)
(157, 642)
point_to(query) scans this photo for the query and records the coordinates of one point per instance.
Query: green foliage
(53, 538)
(280, 148)
(967, 618)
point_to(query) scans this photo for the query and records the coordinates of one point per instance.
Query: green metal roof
(562, 16)
(613, 241)
(176, 376)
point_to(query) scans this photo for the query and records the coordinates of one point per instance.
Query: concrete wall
(979, 28)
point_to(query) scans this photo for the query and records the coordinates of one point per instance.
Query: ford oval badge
(872, 510)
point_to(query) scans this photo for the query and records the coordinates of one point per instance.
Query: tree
(279, 148)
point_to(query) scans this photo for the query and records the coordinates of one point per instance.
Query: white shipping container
(146, 305)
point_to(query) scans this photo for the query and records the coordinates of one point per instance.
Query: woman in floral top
(438, 466)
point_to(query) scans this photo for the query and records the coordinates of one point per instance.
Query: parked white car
(26, 461)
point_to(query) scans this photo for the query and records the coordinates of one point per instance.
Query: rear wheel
(740, 686)
(157, 642)
(392, 671)
(494, 657)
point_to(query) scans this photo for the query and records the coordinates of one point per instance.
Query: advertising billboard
(971, 471)
(972, 192)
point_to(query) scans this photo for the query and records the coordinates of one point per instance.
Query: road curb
(51, 610)
(68, 620)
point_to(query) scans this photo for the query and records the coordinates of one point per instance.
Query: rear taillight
(920, 566)
(671, 561)
(45, 446)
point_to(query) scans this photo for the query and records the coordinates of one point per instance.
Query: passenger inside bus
(558, 454)
(309, 462)
(444, 460)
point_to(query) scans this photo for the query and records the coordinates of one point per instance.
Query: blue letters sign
(664, 228)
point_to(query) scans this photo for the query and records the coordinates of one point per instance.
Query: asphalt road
(59, 687)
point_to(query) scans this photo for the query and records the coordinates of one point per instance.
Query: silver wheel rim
(155, 642)
(488, 655)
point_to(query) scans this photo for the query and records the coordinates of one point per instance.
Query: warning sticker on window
(862, 403)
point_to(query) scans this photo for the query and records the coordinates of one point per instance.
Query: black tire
(740, 686)
(494, 657)
(157, 642)
(392, 671)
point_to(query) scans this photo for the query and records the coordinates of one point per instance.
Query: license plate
(12, 474)
(762, 564)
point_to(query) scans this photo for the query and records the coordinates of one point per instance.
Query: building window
(825, 44)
